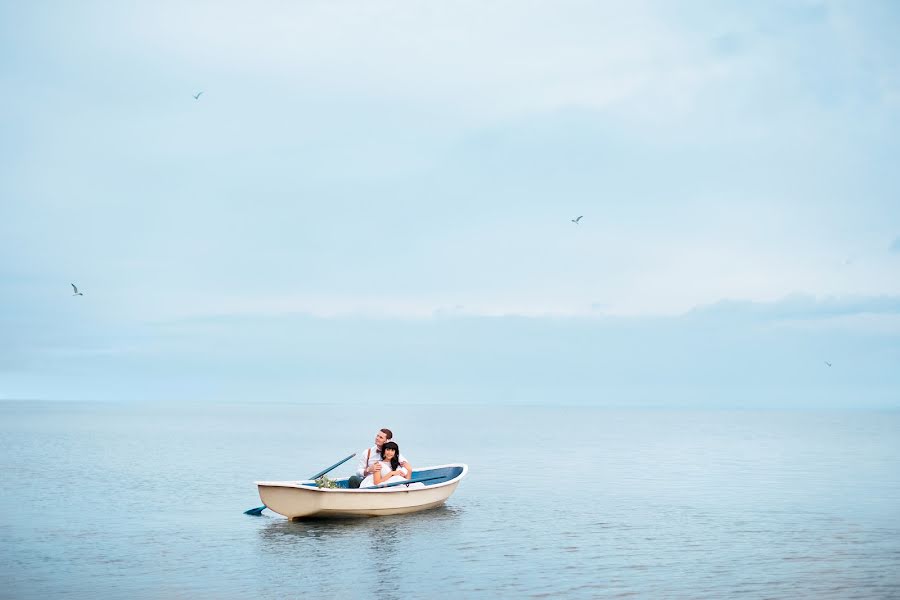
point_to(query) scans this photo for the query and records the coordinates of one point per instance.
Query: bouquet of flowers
(325, 482)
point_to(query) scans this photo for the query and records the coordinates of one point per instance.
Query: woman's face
(389, 453)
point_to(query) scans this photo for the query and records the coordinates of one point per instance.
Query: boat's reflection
(351, 554)
(379, 529)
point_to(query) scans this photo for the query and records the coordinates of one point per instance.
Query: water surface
(146, 501)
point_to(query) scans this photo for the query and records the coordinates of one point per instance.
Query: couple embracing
(382, 463)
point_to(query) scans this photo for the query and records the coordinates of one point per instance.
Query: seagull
(77, 293)
(827, 363)
(197, 95)
(575, 220)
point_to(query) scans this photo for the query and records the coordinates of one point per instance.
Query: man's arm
(361, 464)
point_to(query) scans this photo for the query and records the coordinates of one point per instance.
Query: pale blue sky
(374, 199)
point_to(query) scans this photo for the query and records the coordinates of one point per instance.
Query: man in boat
(370, 459)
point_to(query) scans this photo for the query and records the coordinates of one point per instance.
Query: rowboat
(427, 488)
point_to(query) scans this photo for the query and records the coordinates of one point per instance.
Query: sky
(374, 200)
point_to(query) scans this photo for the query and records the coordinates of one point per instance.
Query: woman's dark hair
(395, 462)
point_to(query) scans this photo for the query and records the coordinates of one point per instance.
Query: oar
(258, 510)
(407, 482)
(332, 467)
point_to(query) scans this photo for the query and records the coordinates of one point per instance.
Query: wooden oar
(407, 482)
(258, 510)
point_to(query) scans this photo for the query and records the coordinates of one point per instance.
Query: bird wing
(74, 288)
(579, 218)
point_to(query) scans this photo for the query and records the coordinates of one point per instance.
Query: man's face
(380, 438)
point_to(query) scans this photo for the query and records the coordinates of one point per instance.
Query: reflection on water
(282, 531)
(357, 555)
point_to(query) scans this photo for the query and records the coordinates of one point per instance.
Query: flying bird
(575, 220)
(77, 293)
(197, 95)
(827, 363)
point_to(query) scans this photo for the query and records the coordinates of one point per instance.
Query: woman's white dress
(369, 481)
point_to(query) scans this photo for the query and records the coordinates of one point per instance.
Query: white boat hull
(295, 500)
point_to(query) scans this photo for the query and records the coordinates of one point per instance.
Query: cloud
(802, 306)
(625, 361)
(475, 58)
(728, 44)
(286, 190)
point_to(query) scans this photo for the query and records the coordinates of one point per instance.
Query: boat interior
(425, 476)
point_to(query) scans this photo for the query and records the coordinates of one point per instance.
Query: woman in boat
(391, 470)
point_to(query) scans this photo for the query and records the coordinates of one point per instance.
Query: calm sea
(146, 501)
